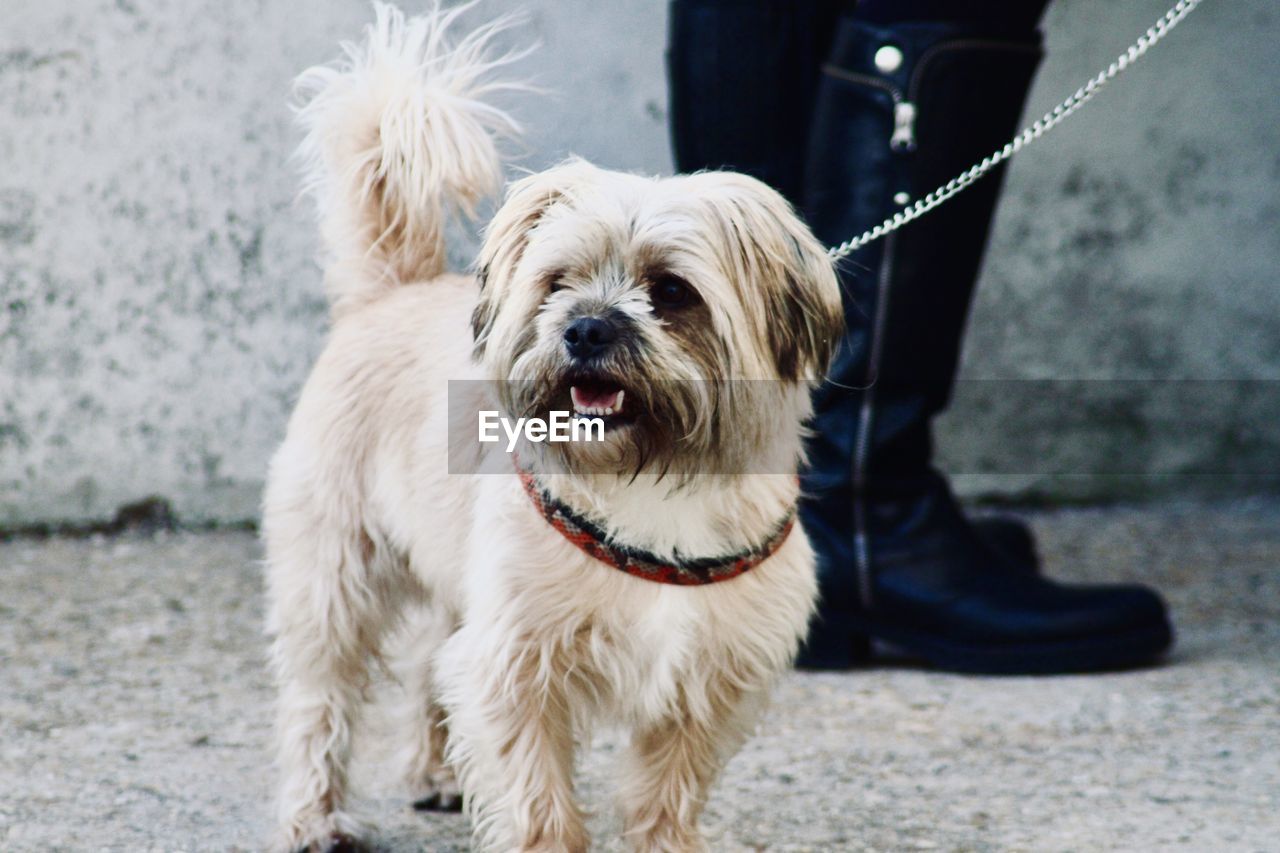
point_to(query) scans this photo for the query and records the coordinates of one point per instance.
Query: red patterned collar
(589, 538)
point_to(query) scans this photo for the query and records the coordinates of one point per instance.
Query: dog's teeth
(580, 407)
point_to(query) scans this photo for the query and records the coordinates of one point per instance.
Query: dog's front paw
(335, 832)
(337, 842)
(438, 802)
(443, 795)
(666, 839)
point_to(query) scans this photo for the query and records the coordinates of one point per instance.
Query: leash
(1038, 129)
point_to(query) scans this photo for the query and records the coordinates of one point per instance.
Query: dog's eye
(670, 292)
(556, 284)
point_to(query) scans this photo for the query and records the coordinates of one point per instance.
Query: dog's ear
(527, 202)
(799, 310)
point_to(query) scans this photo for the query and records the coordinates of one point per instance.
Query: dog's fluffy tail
(398, 136)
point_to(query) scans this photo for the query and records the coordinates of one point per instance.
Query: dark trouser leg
(742, 75)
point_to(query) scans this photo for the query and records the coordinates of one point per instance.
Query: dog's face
(692, 314)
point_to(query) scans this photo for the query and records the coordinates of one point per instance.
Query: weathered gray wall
(159, 303)
(1136, 250)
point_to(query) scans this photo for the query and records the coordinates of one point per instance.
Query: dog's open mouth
(599, 397)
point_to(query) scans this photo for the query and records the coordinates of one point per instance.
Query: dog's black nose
(588, 337)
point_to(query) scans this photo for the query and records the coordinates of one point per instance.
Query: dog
(655, 578)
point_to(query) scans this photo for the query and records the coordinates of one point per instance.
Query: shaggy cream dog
(654, 579)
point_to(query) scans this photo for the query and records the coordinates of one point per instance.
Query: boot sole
(1112, 652)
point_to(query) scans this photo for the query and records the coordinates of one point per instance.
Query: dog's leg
(672, 762)
(430, 778)
(326, 612)
(432, 782)
(512, 741)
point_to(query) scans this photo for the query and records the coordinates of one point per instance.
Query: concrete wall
(160, 305)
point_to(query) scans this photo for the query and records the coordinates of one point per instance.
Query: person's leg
(907, 101)
(743, 75)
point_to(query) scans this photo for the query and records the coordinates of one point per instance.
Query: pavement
(135, 714)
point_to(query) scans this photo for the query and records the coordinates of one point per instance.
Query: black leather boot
(743, 75)
(899, 111)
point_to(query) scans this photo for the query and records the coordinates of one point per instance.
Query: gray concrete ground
(134, 714)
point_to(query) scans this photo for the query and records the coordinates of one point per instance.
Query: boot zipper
(904, 111)
(904, 104)
(904, 127)
(866, 423)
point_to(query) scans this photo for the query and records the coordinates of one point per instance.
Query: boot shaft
(899, 112)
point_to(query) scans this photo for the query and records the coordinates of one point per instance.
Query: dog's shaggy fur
(528, 640)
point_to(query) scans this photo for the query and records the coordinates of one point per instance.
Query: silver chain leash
(1038, 129)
